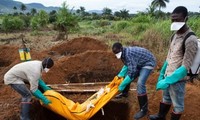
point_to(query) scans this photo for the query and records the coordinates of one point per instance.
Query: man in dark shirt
(138, 63)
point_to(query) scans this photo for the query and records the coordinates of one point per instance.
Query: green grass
(1, 21)
(142, 30)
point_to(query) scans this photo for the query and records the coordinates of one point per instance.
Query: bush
(121, 25)
(18, 24)
(101, 23)
(43, 18)
(34, 23)
(164, 28)
(194, 23)
(40, 20)
(139, 28)
(12, 23)
(143, 19)
(26, 19)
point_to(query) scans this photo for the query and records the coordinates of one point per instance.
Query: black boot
(175, 116)
(124, 93)
(25, 108)
(164, 109)
(143, 102)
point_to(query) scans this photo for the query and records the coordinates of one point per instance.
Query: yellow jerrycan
(24, 54)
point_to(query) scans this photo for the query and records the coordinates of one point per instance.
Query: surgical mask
(175, 26)
(118, 55)
(46, 70)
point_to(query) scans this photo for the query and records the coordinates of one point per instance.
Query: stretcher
(76, 111)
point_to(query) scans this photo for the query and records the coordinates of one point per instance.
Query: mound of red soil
(78, 45)
(8, 55)
(90, 66)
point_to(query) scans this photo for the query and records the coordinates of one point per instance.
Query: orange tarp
(75, 111)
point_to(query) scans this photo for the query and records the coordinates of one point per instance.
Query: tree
(95, 16)
(78, 11)
(33, 11)
(107, 11)
(124, 13)
(52, 16)
(81, 12)
(65, 22)
(159, 3)
(23, 7)
(14, 8)
(151, 10)
(117, 14)
(40, 20)
(43, 18)
(82, 9)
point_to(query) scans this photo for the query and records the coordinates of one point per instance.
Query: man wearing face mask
(29, 72)
(138, 63)
(175, 67)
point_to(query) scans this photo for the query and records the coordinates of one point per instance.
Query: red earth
(85, 60)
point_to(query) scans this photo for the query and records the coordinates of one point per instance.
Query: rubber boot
(25, 108)
(124, 93)
(164, 109)
(143, 102)
(175, 116)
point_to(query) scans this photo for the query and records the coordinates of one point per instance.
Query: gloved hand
(116, 77)
(43, 85)
(177, 75)
(162, 84)
(123, 71)
(124, 83)
(40, 96)
(162, 71)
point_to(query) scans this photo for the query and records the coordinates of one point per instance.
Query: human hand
(43, 85)
(120, 89)
(117, 77)
(162, 85)
(46, 101)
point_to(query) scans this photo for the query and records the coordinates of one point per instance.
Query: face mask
(118, 55)
(175, 26)
(46, 70)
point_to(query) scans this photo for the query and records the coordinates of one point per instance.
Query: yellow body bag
(75, 111)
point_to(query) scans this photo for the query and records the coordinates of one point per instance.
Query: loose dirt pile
(84, 60)
(89, 66)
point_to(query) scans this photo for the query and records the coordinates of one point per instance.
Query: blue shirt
(136, 58)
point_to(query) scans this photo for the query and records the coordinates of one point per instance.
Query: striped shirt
(136, 58)
(176, 57)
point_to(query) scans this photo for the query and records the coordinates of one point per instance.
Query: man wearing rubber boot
(28, 72)
(138, 63)
(176, 66)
